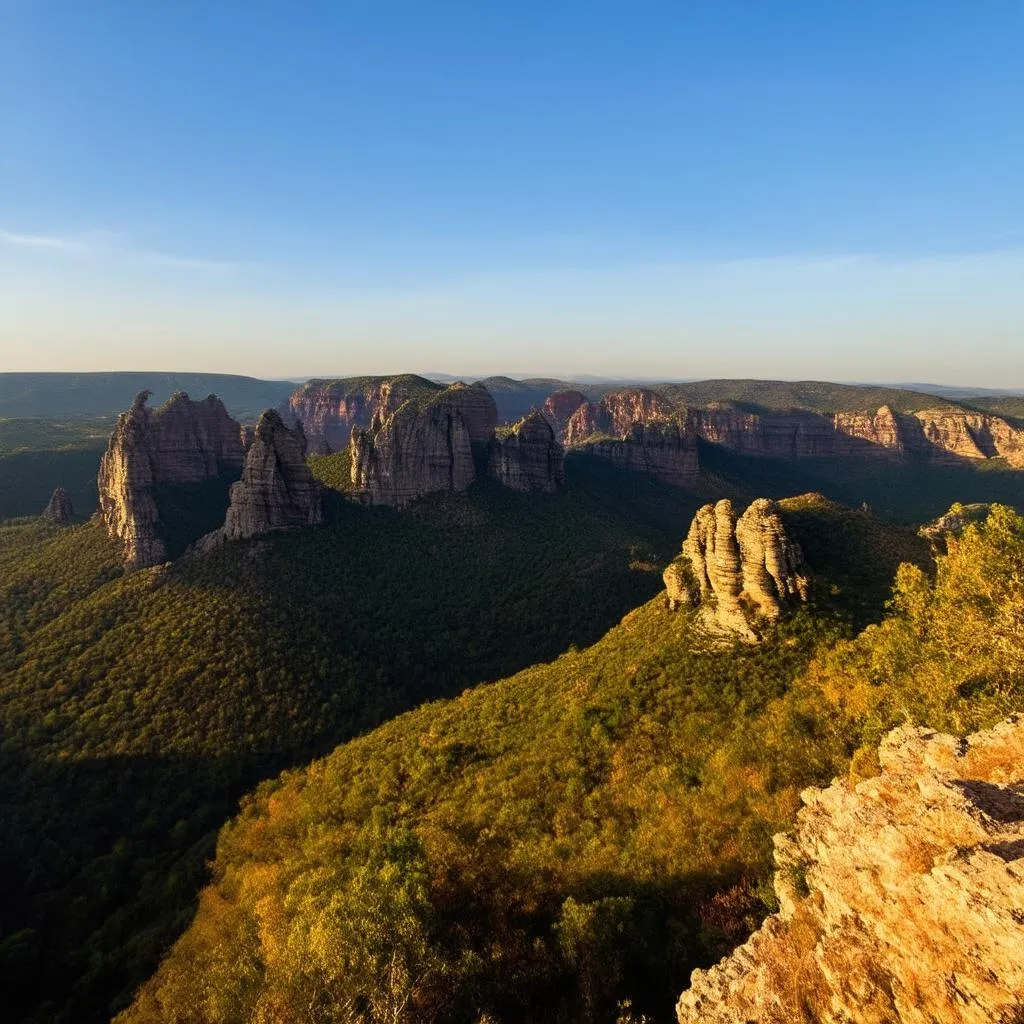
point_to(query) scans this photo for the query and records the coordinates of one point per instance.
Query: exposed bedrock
(183, 442)
(741, 572)
(666, 450)
(615, 414)
(528, 457)
(413, 451)
(58, 508)
(901, 897)
(559, 407)
(277, 490)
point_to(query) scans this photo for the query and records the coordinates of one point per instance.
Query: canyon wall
(528, 457)
(58, 509)
(666, 450)
(742, 572)
(181, 443)
(418, 449)
(901, 897)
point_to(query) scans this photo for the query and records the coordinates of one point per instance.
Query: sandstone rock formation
(615, 414)
(528, 458)
(183, 442)
(277, 490)
(58, 508)
(902, 897)
(664, 449)
(329, 409)
(559, 408)
(742, 572)
(414, 450)
(945, 435)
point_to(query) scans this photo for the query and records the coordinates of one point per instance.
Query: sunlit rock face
(58, 509)
(615, 414)
(743, 573)
(277, 490)
(417, 449)
(182, 442)
(528, 458)
(901, 897)
(559, 408)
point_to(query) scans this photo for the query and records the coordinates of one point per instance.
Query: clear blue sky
(831, 188)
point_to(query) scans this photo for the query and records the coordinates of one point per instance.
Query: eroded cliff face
(741, 572)
(665, 449)
(413, 451)
(58, 509)
(559, 408)
(329, 409)
(183, 442)
(277, 490)
(902, 897)
(942, 435)
(529, 457)
(615, 414)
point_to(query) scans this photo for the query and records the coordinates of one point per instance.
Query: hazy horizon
(659, 191)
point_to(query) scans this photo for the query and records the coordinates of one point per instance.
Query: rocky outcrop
(413, 451)
(901, 897)
(951, 435)
(559, 408)
(181, 443)
(615, 414)
(742, 572)
(528, 457)
(277, 490)
(329, 409)
(58, 508)
(666, 450)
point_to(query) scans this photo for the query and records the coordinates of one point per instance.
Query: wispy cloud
(108, 245)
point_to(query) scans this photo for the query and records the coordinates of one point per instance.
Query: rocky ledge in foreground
(58, 508)
(902, 897)
(740, 572)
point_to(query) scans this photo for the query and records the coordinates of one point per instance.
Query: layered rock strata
(942, 435)
(58, 508)
(419, 449)
(742, 572)
(183, 442)
(529, 457)
(277, 490)
(902, 897)
(664, 449)
(615, 414)
(559, 408)
(329, 409)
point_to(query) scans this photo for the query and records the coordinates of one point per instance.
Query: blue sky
(789, 189)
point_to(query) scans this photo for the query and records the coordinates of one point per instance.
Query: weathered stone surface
(413, 451)
(58, 508)
(902, 897)
(277, 490)
(528, 458)
(615, 414)
(680, 585)
(952, 436)
(665, 449)
(329, 409)
(952, 523)
(183, 442)
(559, 407)
(745, 571)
